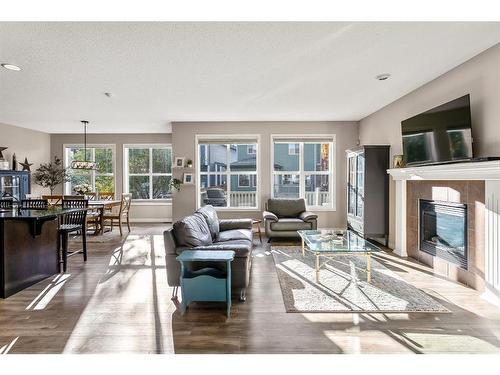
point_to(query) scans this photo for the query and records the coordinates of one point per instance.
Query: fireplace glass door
(443, 230)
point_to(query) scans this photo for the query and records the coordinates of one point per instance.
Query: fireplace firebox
(443, 231)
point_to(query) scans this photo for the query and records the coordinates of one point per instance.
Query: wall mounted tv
(440, 135)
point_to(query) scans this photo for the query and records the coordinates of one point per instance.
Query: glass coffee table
(328, 243)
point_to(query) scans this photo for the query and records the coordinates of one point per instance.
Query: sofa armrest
(227, 224)
(308, 216)
(269, 216)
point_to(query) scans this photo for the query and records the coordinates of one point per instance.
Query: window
(148, 171)
(102, 179)
(293, 149)
(251, 149)
(227, 173)
(303, 168)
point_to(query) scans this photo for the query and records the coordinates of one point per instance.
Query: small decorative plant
(82, 189)
(49, 175)
(189, 163)
(175, 184)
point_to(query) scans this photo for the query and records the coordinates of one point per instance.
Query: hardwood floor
(119, 301)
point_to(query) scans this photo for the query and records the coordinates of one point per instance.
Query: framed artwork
(188, 178)
(179, 162)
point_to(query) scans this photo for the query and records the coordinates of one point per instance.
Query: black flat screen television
(440, 135)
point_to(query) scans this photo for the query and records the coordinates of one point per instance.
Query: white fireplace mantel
(488, 171)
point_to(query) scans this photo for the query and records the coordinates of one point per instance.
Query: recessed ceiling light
(11, 67)
(383, 77)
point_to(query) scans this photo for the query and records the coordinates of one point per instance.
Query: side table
(206, 284)
(256, 222)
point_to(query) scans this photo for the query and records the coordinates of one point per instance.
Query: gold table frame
(332, 254)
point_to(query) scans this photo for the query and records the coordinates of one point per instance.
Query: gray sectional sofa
(284, 217)
(205, 231)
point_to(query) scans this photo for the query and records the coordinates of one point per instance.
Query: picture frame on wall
(188, 178)
(179, 162)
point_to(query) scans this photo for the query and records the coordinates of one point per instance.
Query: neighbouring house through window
(227, 173)
(303, 168)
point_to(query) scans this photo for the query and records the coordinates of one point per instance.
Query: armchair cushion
(290, 224)
(212, 219)
(308, 216)
(291, 208)
(228, 224)
(269, 216)
(192, 231)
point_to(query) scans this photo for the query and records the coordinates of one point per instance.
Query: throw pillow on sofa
(212, 219)
(192, 231)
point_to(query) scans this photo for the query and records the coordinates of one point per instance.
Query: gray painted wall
(140, 211)
(479, 77)
(183, 141)
(26, 143)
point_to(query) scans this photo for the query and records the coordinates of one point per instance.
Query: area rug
(343, 286)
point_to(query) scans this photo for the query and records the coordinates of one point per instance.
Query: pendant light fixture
(85, 164)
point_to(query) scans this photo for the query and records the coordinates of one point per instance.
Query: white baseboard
(151, 220)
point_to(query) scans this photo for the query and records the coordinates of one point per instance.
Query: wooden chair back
(77, 217)
(107, 196)
(125, 204)
(34, 204)
(53, 199)
(92, 196)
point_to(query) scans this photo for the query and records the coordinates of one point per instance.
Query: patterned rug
(343, 286)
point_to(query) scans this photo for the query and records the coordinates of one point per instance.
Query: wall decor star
(26, 165)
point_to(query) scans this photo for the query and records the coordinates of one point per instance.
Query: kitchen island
(28, 247)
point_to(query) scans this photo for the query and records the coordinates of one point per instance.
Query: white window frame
(67, 163)
(126, 174)
(301, 139)
(239, 139)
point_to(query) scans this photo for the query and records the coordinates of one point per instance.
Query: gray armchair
(284, 217)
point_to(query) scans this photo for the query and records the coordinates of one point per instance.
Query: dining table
(101, 206)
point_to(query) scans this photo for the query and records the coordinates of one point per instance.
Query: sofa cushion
(291, 208)
(192, 231)
(242, 248)
(235, 234)
(290, 224)
(212, 219)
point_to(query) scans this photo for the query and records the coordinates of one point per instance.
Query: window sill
(321, 209)
(148, 202)
(230, 209)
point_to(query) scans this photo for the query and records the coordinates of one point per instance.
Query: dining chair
(107, 195)
(34, 204)
(6, 203)
(73, 222)
(124, 212)
(53, 199)
(92, 196)
(32, 196)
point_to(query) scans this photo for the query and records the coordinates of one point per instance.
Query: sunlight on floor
(48, 293)
(6, 348)
(130, 309)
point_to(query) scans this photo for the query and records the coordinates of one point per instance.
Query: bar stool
(72, 222)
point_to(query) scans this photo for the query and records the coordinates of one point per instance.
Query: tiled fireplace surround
(476, 184)
(470, 193)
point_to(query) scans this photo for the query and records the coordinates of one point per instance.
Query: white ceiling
(164, 72)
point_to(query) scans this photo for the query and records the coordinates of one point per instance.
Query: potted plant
(49, 175)
(175, 184)
(82, 189)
